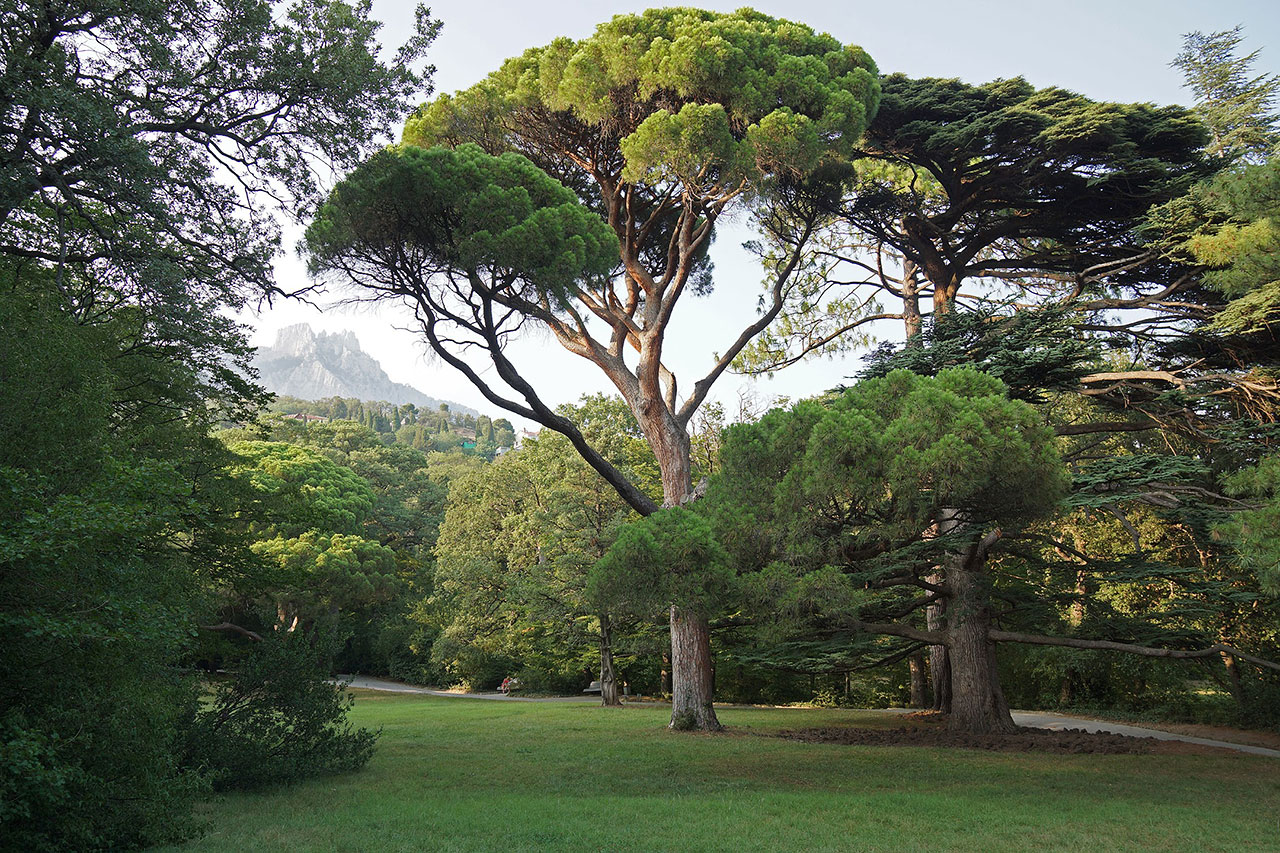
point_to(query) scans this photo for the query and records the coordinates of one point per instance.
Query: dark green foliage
(893, 452)
(669, 557)
(94, 598)
(465, 212)
(144, 148)
(277, 719)
(1034, 353)
(1007, 162)
(837, 509)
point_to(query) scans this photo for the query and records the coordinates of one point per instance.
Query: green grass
(456, 774)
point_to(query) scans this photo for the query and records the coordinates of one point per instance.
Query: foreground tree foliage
(94, 595)
(144, 153)
(657, 125)
(1139, 326)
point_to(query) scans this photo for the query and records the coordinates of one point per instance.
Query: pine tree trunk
(977, 702)
(691, 694)
(911, 317)
(608, 678)
(918, 681)
(939, 661)
(692, 679)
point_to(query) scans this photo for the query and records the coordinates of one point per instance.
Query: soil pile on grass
(929, 729)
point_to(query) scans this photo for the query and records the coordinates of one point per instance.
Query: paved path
(1031, 719)
(366, 683)
(1042, 720)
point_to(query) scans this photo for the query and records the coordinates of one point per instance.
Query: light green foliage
(705, 98)
(308, 524)
(1255, 533)
(301, 490)
(518, 539)
(333, 569)
(1244, 251)
(669, 557)
(466, 212)
(408, 488)
(883, 460)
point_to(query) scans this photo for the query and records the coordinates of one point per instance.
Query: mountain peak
(314, 366)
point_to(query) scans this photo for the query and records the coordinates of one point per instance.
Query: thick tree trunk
(935, 616)
(918, 681)
(977, 703)
(692, 678)
(691, 693)
(608, 678)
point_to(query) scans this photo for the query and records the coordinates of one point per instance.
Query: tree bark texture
(608, 678)
(977, 702)
(692, 675)
(919, 689)
(939, 660)
(691, 696)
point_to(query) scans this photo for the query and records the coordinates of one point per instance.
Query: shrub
(278, 719)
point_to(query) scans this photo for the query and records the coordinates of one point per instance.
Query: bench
(594, 687)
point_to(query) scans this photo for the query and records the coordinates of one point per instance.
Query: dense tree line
(422, 429)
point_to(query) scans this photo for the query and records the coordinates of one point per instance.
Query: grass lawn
(458, 774)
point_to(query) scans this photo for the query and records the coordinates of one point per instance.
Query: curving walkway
(364, 682)
(1030, 719)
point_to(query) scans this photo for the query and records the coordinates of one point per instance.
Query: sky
(1114, 50)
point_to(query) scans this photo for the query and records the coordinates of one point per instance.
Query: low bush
(278, 718)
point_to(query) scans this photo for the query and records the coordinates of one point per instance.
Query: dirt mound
(929, 728)
(1023, 740)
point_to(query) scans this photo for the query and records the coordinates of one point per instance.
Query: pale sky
(1114, 50)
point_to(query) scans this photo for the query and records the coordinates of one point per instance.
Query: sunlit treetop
(708, 99)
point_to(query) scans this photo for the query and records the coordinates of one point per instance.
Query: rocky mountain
(314, 366)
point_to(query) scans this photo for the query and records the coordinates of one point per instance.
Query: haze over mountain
(314, 366)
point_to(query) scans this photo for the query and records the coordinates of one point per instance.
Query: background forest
(1061, 489)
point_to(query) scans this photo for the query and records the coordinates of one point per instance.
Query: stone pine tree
(656, 126)
(904, 483)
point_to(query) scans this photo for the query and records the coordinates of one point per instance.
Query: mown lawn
(457, 774)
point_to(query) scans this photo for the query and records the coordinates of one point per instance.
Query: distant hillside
(314, 366)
